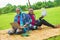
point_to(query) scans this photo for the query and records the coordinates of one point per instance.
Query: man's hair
(17, 8)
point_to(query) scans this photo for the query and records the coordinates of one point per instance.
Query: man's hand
(21, 27)
(25, 25)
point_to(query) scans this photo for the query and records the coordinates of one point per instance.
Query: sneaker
(10, 32)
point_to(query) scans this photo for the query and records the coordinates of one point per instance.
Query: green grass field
(54, 38)
(53, 16)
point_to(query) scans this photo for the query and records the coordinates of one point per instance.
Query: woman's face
(31, 11)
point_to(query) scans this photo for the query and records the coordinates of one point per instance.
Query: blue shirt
(24, 19)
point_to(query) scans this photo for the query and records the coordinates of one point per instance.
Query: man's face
(18, 11)
(31, 11)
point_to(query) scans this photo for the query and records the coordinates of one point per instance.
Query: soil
(42, 34)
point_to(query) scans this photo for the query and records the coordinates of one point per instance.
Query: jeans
(40, 22)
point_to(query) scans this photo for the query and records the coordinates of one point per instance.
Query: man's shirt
(24, 19)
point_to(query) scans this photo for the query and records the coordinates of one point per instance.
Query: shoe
(10, 32)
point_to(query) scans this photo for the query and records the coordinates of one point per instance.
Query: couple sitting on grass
(24, 22)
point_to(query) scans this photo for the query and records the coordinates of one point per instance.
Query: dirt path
(34, 35)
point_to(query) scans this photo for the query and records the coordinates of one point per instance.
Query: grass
(54, 38)
(52, 17)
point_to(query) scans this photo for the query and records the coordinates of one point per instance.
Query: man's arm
(15, 19)
(14, 24)
(27, 20)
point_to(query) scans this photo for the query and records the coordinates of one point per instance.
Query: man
(35, 23)
(20, 24)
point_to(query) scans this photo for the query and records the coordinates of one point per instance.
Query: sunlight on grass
(54, 38)
(53, 15)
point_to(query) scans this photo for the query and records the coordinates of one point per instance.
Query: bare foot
(39, 28)
(57, 26)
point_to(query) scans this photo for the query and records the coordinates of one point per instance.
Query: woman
(35, 23)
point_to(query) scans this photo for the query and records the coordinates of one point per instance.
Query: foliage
(9, 8)
(57, 2)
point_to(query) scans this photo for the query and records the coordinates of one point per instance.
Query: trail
(34, 35)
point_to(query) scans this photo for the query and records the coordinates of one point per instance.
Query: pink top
(33, 19)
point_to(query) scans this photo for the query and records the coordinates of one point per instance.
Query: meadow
(54, 38)
(53, 17)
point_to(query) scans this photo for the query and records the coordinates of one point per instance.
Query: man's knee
(43, 20)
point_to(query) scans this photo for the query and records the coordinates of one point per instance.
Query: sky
(18, 2)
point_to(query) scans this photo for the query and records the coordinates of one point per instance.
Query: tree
(50, 4)
(29, 4)
(9, 8)
(57, 2)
